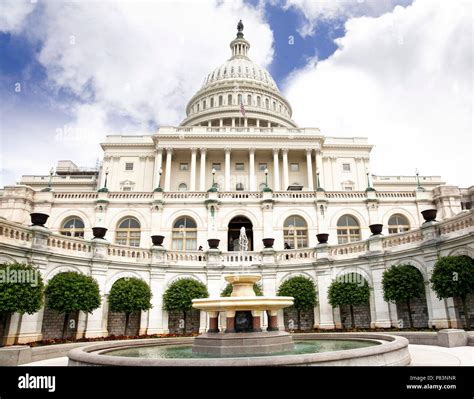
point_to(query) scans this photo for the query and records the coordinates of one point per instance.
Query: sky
(396, 71)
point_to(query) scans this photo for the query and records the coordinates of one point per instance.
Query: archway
(233, 233)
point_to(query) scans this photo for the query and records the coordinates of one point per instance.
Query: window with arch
(348, 229)
(398, 224)
(204, 105)
(73, 227)
(229, 99)
(221, 100)
(183, 187)
(128, 232)
(212, 102)
(295, 232)
(259, 101)
(267, 103)
(184, 234)
(239, 99)
(249, 100)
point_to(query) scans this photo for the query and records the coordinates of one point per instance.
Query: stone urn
(322, 238)
(213, 243)
(268, 242)
(99, 232)
(376, 229)
(429, 215)
(157, 240)
(38, 219)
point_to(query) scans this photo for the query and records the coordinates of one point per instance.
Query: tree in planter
(351, 290)
(21, 290)
(454, 276)
(70, 292)
(179, 296)
(129, 295)
(303, 292)
(403, 283)
(227, 291)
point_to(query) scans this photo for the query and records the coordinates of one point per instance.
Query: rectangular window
(127, 188)
(183, 166)
(295, 167)
(239, 166)
(128, 165)
(348, 188)
(216, 166)
(262, 167)
(346, 167)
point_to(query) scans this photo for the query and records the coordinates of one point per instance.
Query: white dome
(240, 68)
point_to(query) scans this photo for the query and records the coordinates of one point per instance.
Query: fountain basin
(256, 303)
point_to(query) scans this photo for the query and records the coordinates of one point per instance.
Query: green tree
(227, 291)
(453, 276)
(350, 290)
(180, 294)
(129, 295)
(303, 291)
(21, 290)
(70, 292)
(403, 283)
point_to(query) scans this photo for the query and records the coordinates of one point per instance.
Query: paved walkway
(422, 355)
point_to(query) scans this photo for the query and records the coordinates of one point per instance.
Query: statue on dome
(240, 26)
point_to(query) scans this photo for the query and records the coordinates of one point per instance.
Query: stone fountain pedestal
(243, 334)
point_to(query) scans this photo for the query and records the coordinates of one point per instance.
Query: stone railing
(185, 195)
(352, 248)
(56, 242)
(346, 194)
(126, 252)
(14, 232)
(304, 255)
(130, 195)
(395, 194)
(240, 194)
(75, 196)
(235, 258)
(294, 195)
(186, 256)
(459, 222)
(407, 237)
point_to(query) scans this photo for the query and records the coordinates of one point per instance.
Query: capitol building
(310, 205)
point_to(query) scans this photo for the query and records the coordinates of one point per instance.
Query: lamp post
(418, 185)
(318, 184)
(105, 189)
(266, 189)
(49, 188)
(368, 183)
(213, 188)
(159, 189)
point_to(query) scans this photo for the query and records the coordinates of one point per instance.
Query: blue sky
(85, 70)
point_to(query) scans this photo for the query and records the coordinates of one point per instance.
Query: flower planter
(268, 242)
(157, 240)
(376, 229)
(38, 219)
(322, 238)
(213, 243)
(99, 232)
(429, 215)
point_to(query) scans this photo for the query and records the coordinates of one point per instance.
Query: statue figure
(240, 26)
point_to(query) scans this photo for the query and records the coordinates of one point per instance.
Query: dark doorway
(243, 321)
(234, 232)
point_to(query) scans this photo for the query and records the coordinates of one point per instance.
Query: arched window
(267, 103)
(239, 187)
(73, 227)
(295, 232)
(249, 100)
(239, 99)
(229, 99)
(212, 102)
(204, 105)
(183, 187)
(184, 234)
(128, 232)
(274, 105)
(398, 224)
(259, 101)
(348, 229)
(198, 107)
(220, 100)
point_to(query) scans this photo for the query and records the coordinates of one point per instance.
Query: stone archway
(233, 232)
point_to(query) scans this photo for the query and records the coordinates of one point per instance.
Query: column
(169, 152)
(192, 183)
(227, 169)
(286, 179)
(276, 170)
(97, 320)
(382, 312)
(256, 320)
(273, 321)
(319, 166)
(202, 179)
(230, 321)
(158, 166)
(437, 313)
(326, 320)
(213, 322)
(309, 167)
(252, 169)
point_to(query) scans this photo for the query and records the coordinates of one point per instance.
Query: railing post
(326, 319)
(156, 315)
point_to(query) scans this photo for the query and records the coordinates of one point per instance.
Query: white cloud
(13, 14)
(403, 79)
